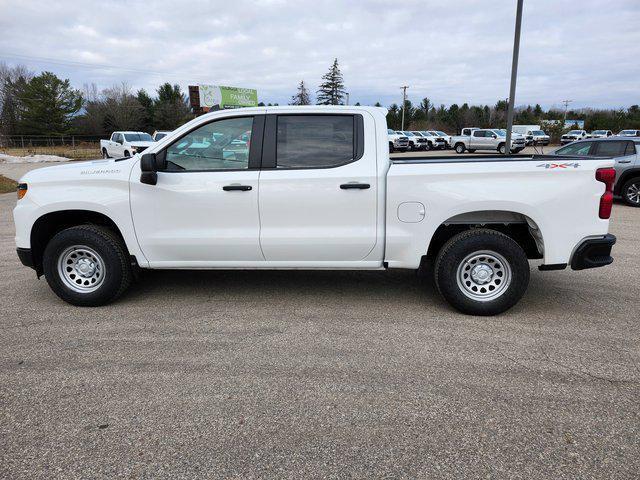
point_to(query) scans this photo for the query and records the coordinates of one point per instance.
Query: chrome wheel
(484, 275)
(633, 193)
(81, 269)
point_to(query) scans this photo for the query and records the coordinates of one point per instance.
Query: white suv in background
(573, 135)
(629, 133)
(601, 133)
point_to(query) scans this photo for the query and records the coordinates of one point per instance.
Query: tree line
(44, 104)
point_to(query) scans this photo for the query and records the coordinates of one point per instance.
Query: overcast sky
(450, 51)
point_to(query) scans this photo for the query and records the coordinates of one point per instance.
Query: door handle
(242, 188)
(624, 161)
(355, 186)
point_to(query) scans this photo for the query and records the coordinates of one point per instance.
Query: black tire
(472, 150)
(127, 154)
(631, 192)
(502, 148)
(107, 245)
(104, 153)
(460, 148)
(509, 281)
(391, 149)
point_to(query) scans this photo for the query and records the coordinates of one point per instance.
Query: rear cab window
(611, 148)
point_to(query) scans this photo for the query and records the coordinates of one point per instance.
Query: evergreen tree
(302, 96)
(48, 105)
(147, 104)
(331, 91)
(171, 108)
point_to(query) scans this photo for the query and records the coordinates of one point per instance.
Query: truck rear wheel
(460, 148)
(481, 272)
(87, 265)
(631, 192)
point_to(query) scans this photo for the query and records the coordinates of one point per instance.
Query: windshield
(391, 132)
(575, 132)
(438, 132)
(500, 133)
(538, 132)
(417, 134)
(160, 135)
(138, 137)
(627, 132)
(408, 134)
(599, 132)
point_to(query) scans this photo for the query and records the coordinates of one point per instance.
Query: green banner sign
(217, 96)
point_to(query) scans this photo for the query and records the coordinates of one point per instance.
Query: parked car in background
(160, 134)
(446, 137)
(572, 136)
(629, 133)
(397, 141)
(525, 129)
(125, 144)
(311, 190)
(626, 155)
(434, 141)
(473, 139)
(601, 134)
(416, 140)
(537, 137)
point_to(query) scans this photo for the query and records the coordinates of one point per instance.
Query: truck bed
(491, 158)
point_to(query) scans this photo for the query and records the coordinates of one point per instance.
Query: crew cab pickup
(312, 188)
(125, 144)
(397, 141)
(473, 139)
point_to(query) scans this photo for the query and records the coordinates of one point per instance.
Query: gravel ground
(321, 374)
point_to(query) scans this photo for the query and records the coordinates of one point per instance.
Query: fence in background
(69, 146)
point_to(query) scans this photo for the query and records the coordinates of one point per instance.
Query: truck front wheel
(87, 265)
(104, 153)
(391, 149)
(481, 272)
(460, 148)
(502, 148)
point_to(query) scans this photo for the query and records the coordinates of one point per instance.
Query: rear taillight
(608, 177)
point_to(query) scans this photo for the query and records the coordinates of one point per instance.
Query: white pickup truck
(125, 144)
(491, 139)
(312, 188)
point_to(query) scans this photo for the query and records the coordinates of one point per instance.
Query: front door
(318, 189)
(204, 209)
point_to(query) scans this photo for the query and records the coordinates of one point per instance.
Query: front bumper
(593, 253)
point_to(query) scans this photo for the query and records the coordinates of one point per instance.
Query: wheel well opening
(47, 226)
(518, 227)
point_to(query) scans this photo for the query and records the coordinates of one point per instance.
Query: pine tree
(302, 96)
(147, 104)
(331, 91)
(171, 107)
(48, 105)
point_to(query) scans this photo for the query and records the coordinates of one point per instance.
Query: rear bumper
(593, 252)
(24, 254)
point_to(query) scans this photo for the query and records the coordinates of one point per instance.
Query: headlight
(134, 149)
(22, 190)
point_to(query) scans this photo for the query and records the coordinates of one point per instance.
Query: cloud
(447, 51)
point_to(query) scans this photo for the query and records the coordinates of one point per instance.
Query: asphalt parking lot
(321, 374)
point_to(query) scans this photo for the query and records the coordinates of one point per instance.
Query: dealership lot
(295, 374)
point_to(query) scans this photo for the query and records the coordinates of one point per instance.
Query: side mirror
(150, 164)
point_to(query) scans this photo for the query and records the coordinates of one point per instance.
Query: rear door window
(611, 149)
(314, 141)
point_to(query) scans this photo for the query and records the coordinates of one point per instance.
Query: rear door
(318, 189)
(623, 151)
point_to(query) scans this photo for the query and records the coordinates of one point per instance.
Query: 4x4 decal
(559, 165)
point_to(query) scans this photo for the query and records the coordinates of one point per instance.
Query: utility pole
(347, 93)
(566, 106)
(514, 75)
(404, 102)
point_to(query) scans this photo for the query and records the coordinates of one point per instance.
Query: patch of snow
(32, 159)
